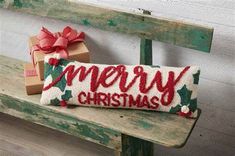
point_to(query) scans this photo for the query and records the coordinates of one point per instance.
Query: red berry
(63, 103)
(53, 61)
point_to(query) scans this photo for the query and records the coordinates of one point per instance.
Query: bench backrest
(145, 26)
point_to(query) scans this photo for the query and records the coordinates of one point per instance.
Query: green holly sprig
(65, 97)
(185, 96)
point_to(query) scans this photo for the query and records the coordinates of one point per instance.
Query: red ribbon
(58, 42)
(30, 73)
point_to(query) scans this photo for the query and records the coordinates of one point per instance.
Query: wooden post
(132, 146)
(146, 48)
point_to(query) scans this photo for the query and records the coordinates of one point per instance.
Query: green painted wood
(154, 28)
(102, 126)
(146, 48)
(132, 146)
(146, 52)
(65, 123)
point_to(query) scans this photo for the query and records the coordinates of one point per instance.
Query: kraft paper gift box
(76, 51)
(69, 39)
(33, 84)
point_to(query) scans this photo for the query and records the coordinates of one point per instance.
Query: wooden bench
(128, 132)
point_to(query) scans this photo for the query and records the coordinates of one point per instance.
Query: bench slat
(104, 126)
(68, 124)
(164, 30)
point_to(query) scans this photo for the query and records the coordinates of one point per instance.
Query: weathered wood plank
(164, 30)
(146, 56)
(146, 48)
(21, 138)
(65, 123)
(161, 128)
(132, 146)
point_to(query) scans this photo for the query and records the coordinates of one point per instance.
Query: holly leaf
(175, 109)
(64, 62)
(196, 77)
(193, 105)
(67, 95)
(185, 95)
(47, 70)
(56, 73)
(55, 102)
(61, 84)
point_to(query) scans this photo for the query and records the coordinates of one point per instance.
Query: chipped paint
(61, 122)
(163, 30)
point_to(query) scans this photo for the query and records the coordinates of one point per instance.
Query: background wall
(214, 133)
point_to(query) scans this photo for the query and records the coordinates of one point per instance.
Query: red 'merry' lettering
(119, 73)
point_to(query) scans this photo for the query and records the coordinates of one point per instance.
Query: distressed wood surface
(59, 121)
(132, 146)
(103, 126)
(165, 30)
(118, 46)
(21, 138)
(146, 54)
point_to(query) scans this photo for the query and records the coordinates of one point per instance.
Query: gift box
(33, 84)
(74, 50)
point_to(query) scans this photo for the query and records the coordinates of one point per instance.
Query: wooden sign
(166, 89)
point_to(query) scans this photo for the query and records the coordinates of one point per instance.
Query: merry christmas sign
(166, 89)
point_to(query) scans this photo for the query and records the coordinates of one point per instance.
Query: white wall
(214, 133)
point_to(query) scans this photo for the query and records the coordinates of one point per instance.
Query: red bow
(58, 42)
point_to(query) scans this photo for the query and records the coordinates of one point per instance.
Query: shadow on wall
(166, 54)
(104, 54)
(169, 49)
(100, 54)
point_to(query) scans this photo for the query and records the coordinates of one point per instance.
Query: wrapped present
(33, 84)
(69, 44)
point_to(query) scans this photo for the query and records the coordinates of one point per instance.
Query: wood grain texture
(146, 52)
(118, 46)
(21, 138)
(164, 30)
(161, 128)
(68, 124)
(221, 19)
(132, 146)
